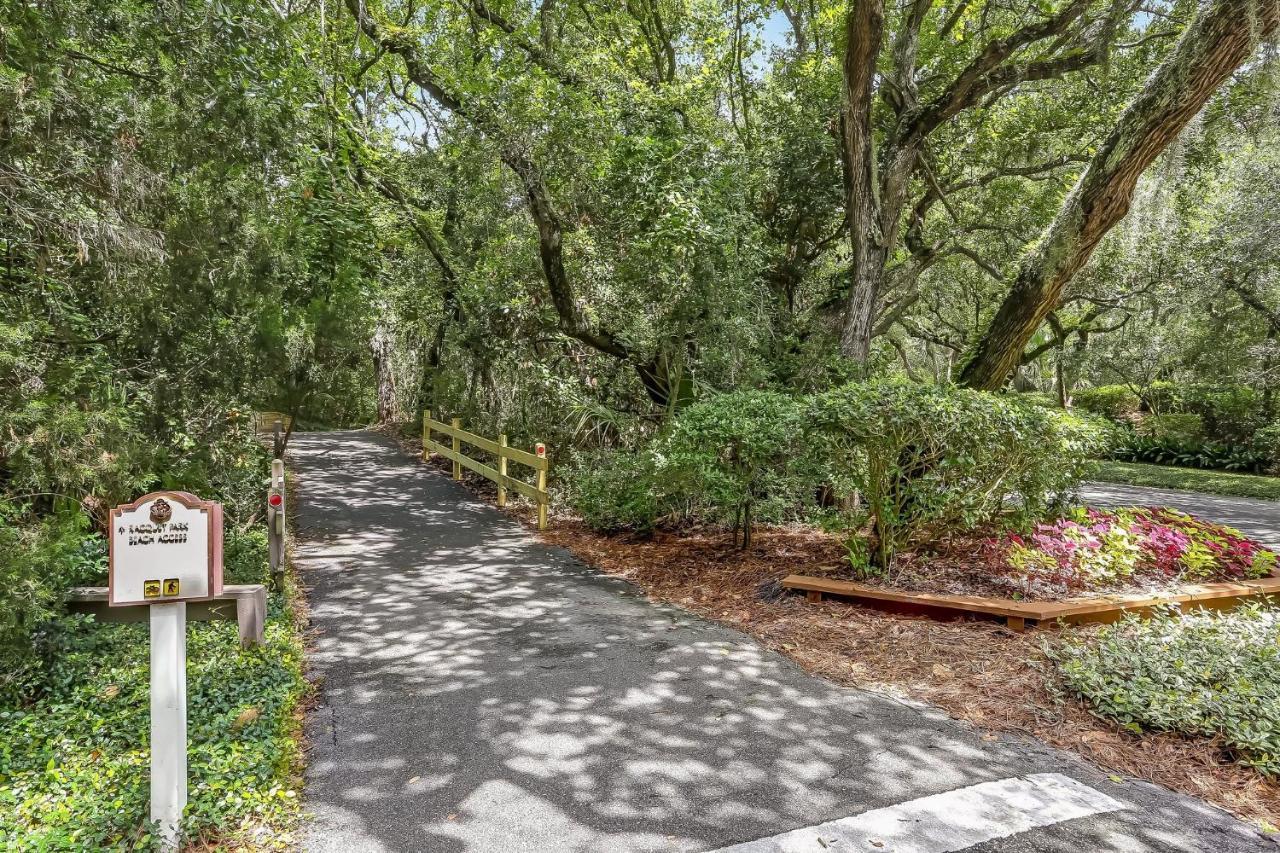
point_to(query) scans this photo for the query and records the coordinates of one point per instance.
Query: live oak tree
(1218, 41)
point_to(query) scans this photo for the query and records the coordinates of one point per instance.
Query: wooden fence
(275, 424)
(458, 436)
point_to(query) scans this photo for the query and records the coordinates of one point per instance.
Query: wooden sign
(166, 550)
(165, 546)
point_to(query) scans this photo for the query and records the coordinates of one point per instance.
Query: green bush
(930, 458)
(1196, 674)
(742, 456)
(1162, 397)
(1116, 402)
(1038, 398)
(1232, 414)
(1184, 428)
(1267, 443)
(244, 555)
(615, 489)
(38, 562)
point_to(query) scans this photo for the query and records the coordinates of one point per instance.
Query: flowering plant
(1094, 548)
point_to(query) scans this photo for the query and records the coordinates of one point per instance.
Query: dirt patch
(977, 671)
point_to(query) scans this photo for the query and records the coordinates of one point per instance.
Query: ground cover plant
(74, 762)
(1199, 674)
(1122, 548)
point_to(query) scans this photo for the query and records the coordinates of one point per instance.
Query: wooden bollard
(276, 523)
(541, 450)
(502, 470)
(456, 423)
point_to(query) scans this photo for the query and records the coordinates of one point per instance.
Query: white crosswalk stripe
(947, 822)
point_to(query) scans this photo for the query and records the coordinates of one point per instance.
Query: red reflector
(275, 500)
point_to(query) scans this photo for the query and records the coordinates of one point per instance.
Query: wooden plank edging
(1017, 612)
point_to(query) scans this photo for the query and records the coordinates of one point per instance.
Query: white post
(168, 719)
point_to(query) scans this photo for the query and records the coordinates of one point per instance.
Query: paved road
(483, 692)
(1257, 518)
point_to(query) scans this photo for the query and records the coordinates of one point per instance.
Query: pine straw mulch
(976, 671)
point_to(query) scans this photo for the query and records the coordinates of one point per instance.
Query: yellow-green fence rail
(537, 460)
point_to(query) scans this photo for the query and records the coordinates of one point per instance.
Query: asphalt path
(479, 691)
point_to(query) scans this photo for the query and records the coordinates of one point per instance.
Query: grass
(1190, 479)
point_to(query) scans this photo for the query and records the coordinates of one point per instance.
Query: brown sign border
(213, 516)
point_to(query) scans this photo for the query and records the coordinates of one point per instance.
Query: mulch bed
(977, 671)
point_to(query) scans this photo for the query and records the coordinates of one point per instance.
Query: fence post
(426, 433)
(275, 523)
(541, 450)
(456, 423)
(277, 443)
(502, 470)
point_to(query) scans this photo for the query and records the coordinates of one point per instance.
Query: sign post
(166, 550)
(169, 718)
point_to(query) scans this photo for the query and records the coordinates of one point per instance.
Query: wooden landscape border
(1107, 608)
(537, 461)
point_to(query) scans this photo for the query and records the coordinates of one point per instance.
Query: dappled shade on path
(480, 691)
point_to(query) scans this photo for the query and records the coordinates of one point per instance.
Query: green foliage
(1178, 446)
(741, 457)
(929, 458)
(1202, 674)
(1116, 402)
(73, 763)
(1162, 397)
(37, 564)
(615, 489)
(1267, 443)
(1182, 428)
(1231, 414)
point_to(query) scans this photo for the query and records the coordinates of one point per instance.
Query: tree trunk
(1216, 43)
(381, 346)
(864, 28)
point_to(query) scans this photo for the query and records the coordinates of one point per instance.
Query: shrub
(615, 489)
(1162, 397)
(1213, 675)
(1038, 398)
(742, 456)
(1267, 444)
(37, 563)
(1095, 549)
(1193, 454)
(1184, 428)
(244, 555)
(929, 457)
(1116, 402)
(1232, 414)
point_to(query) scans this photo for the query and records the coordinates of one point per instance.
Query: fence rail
(453, 452)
